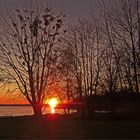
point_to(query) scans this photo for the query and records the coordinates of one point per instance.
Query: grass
(63, 127)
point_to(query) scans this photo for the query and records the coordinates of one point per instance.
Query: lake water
(25, 110)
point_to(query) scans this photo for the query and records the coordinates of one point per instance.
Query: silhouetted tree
(120, 26)
(29, 51)
(83, 43)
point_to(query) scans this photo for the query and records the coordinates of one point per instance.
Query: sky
(73, 9)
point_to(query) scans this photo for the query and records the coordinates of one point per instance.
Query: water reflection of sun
(53, 103)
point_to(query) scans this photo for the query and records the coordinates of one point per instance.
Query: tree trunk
(37, 108)
(90, 107)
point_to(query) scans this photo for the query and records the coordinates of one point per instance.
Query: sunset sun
(53, 103)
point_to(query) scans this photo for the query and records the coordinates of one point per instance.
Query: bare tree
(83, 43)
(126, 18)
(111, 58)
(29, 51)
(120, 24)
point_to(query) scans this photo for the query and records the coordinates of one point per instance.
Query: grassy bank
(66, 127)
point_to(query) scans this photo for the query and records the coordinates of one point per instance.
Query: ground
(60, 127)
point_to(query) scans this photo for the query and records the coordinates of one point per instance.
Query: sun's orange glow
(53, 103)
(52, 110)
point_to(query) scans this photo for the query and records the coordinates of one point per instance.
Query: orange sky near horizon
(8, 95)
(15, 98)
(8, 100)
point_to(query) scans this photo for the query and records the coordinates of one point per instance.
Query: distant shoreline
(15, 105)
(19, 105)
